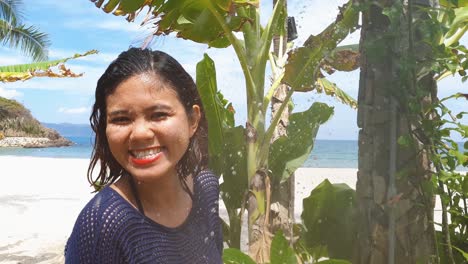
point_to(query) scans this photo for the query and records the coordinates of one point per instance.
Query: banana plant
(250, 166)
(22, 72)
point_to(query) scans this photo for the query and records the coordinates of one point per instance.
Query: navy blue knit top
(110, 230)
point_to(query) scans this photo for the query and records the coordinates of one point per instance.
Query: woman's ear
(194, 119)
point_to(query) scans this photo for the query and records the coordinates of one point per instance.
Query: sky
(76, 26)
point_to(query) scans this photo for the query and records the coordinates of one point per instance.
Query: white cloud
(11, 57)
(12, 60)
(79, 110)
(9, 93)
(109, 24)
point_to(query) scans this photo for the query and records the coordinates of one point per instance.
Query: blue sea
(81, 149)
(326, 153)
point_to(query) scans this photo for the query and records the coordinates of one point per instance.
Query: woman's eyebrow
(156, 107)
(118, 112)
(159, 107)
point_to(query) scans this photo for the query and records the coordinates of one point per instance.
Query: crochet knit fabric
(110, 230)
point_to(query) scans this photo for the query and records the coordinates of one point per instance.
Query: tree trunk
(395, 209)
(282, 208)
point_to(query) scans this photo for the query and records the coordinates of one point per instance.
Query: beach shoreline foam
(40, 199)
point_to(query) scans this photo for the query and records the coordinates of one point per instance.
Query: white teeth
(149, 153)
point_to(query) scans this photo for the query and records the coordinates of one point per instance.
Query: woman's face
(147, 127)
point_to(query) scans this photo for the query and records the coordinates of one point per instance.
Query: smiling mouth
(146, 156)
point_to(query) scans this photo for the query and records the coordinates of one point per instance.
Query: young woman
(157, 202)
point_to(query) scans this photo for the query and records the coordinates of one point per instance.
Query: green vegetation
(15, 34)
(17, 121)
(23, 72)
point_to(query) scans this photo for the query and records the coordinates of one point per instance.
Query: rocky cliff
(18, 128)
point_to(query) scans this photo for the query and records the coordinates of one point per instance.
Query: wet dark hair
(134, 62)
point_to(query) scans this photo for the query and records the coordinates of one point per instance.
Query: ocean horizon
(326, 153)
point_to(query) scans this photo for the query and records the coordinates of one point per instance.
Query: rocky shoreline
(34, 142)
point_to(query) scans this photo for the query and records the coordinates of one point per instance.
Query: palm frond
(10, 10)
(30, 40)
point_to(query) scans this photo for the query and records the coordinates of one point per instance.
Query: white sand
(40, 199)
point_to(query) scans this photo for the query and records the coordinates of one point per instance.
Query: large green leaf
(22, 72)
(343, 58)
(325, 86)
(226, 146)
(131, 5)
(453, 3)
(122, 7)
(288, 153)
(196, 20)
(463, 253)
(235, 256)
(329, 217)
(281, 253)
(43, 65)
(234, 171)
(217, 112)
(301, 70)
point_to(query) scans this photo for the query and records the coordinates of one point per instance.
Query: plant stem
(271, 91)
(391, 191)
(445, 227)
(265, 144)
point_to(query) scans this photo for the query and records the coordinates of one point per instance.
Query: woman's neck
(164, 201)
(163, 193)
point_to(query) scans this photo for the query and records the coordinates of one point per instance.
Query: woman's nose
(142, 130)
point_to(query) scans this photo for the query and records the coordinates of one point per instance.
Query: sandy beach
(40, 199)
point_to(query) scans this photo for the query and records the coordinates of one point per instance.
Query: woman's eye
(119, 120)
(159, 116)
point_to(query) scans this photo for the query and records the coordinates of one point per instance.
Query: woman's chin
(151, 173)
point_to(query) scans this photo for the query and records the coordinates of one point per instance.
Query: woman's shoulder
(206, 179)
(104, 207)
(99, 222)
(206, 186)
